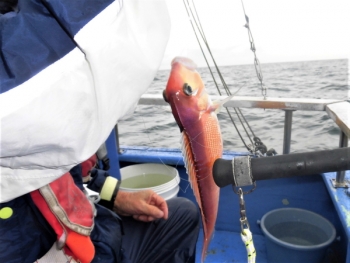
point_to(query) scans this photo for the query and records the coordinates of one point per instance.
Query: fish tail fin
(204, 250)
(206, 242)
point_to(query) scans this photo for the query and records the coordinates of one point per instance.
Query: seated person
(45, 215)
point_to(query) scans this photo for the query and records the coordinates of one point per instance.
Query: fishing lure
(246, 235)
(247, 239)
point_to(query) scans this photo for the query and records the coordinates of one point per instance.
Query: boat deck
(313, 192)
(228, 247)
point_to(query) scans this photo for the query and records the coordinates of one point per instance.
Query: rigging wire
(260, 148)
(253, 49)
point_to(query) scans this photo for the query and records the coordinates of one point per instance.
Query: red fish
(201, 137)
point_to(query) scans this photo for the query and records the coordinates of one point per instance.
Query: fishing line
(200, 29)
(152, 143)
(194, 17)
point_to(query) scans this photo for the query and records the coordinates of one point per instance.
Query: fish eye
(187, 89)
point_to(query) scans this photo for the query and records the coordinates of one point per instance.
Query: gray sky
(297, 30)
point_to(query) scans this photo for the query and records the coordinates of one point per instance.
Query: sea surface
(154, 126)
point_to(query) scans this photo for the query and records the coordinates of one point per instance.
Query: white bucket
(161, 178)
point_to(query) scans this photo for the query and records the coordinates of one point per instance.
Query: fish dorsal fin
(218, 104)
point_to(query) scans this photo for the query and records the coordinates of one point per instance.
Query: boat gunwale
(337, 110)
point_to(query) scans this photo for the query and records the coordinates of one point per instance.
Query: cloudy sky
(283, 31)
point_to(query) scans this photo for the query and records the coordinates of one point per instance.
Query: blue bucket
(295, 235)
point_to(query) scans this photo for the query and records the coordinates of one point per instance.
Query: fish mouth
(164, 97)
(186, 62)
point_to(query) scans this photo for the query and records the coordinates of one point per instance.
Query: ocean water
(154, 126)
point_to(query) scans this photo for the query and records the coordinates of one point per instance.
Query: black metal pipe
(289, 165)
(343, 142)
(288, 117)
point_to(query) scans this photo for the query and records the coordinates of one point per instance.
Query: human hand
(144, 205)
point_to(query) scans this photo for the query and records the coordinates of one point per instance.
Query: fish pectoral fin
(218, 104)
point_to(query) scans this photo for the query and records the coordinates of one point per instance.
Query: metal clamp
(242, 173)
(243, 217)
(343, 184)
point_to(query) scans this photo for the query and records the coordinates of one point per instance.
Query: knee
(185, 209)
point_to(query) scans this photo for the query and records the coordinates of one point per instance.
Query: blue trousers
(163, 241)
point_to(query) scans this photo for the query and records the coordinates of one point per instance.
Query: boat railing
(337, 110)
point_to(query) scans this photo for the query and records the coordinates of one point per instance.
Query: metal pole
(343, 142)
(287, 131)
(117, 138)
(111, 144)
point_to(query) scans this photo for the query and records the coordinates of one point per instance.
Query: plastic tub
(161, 178)
(296, 235)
